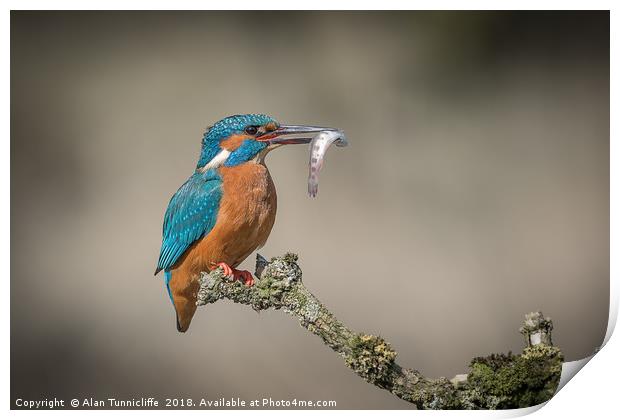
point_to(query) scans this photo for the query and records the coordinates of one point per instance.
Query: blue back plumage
(191, 214)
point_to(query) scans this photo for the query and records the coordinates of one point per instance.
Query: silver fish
(318, 147)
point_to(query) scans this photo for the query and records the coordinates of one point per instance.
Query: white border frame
(593, 394)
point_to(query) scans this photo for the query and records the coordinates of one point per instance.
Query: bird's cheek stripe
(233, 142)
(217, 161)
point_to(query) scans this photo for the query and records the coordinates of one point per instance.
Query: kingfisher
(227, 207)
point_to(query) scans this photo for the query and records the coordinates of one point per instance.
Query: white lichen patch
(283, 269)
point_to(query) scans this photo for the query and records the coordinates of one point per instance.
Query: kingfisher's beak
(292, 134)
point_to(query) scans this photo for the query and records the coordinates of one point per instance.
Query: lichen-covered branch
(496, 381)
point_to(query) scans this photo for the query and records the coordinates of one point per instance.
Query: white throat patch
(217, 161)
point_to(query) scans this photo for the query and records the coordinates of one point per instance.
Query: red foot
(225, 267)
(244, 276)
(241, 275)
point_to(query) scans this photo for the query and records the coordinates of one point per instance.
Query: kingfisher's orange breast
(246, 215)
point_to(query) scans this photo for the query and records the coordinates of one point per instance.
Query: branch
(496, 381)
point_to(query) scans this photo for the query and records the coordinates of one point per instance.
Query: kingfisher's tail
(183, 296)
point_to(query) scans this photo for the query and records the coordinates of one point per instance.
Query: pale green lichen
(508, 381)
(371, 357)
(278, 277)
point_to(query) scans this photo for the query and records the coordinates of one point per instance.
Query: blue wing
(191, 214)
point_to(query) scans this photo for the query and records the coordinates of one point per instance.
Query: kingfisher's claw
(241, 275)
(245, 277)
(228, 271)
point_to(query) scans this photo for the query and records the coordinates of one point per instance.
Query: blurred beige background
(475, 189)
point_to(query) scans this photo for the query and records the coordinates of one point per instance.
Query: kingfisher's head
(242, 138)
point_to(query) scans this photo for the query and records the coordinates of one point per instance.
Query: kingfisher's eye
(251, 130)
